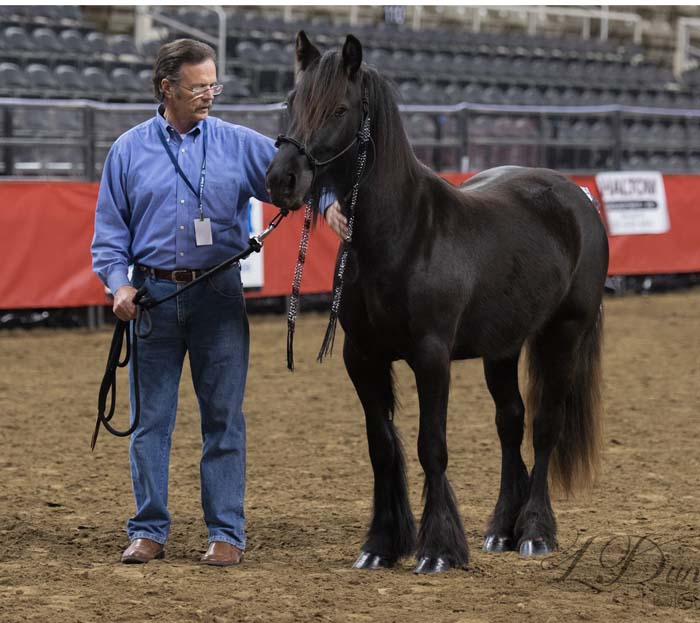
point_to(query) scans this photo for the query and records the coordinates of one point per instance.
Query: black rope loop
(142, 327)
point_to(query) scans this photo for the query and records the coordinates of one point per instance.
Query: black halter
(304, 151)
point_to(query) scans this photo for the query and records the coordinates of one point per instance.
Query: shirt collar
(162, 121)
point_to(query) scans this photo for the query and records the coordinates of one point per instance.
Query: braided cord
(329, 338)
(296, 283)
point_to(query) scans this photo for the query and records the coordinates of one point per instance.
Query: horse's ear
(352, 55)
(306, 52)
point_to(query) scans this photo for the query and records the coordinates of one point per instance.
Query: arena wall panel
(46, 229)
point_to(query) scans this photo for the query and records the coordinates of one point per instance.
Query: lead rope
(296, 284)
(329, 338)
(142, 328)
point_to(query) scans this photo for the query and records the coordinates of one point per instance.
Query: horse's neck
(386, 216)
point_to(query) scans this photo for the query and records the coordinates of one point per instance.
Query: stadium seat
(70, 81)
(674, 133)
(17, 40)
(144, 81)
(124, 81)
(472, 93)
(378, 58)
(96, 44)
(150, 49)
(429, 93)
(442, 62)
(453, 93)
(46, 41)
(492, 95)
(272, 53)
(73, 42)
(514, 95)
(13, 81)
(41, 79)
(598, 129)
(123, 47)
(551, 96)
(96, 82)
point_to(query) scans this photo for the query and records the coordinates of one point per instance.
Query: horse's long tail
(575, 460)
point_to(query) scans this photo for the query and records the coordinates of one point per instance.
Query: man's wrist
(117, 279)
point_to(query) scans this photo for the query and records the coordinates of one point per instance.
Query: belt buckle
(188, 276)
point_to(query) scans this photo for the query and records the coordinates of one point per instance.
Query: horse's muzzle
(288, 180)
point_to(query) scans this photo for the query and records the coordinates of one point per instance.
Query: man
(173, 202)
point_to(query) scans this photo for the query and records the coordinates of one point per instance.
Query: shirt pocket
(221, 199)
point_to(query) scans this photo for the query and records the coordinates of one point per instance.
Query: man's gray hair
(172, 56)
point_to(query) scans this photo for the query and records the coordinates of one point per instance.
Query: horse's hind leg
(392, 531)
(502, 381)
(441, 540)
(553, 353)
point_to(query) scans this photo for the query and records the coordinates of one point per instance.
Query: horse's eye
(340, 111)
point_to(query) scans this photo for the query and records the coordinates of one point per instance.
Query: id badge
(202, 232)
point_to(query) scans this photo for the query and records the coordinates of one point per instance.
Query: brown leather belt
(181, 275)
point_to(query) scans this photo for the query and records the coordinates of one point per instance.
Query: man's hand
(336, 220)
(124, 307)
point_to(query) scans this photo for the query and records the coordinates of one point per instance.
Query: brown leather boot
(222, 554)
(142, 550)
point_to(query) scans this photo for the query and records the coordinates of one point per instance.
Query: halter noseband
(304, 151)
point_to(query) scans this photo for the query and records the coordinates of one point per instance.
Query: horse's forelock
(319, 92)
(322, 88)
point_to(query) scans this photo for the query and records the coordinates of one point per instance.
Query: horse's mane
(321, 96)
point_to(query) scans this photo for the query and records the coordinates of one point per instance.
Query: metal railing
(70, 138)
(145, 14)
(687, 54)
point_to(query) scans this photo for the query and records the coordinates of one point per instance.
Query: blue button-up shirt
(146, 212)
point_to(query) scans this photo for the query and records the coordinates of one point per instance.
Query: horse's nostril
(291, 180)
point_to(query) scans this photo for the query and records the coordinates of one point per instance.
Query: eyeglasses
(216, 89)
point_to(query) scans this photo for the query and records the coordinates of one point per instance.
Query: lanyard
(181, 173)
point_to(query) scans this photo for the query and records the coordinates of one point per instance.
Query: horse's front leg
(441, 540)
(392, 531)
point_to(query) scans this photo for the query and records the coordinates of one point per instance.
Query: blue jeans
(209, 321)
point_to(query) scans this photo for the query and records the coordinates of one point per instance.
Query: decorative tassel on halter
(329, 338)
(296, 284)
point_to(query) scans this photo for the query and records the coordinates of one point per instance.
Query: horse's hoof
(430, 564)
(497, 544)
(368, 560)
(534, 547)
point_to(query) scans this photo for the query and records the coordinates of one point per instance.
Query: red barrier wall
(46, 229)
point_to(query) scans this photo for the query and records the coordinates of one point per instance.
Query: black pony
(513, 257)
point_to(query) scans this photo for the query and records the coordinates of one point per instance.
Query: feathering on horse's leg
(392, 532)
(441, 540)
(502, 382)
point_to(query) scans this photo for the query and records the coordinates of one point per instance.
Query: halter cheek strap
(304, 151)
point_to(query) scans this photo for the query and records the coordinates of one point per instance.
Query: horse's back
(537, 194)
(540, 242)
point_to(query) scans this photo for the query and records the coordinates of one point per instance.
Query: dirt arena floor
(630, 550)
